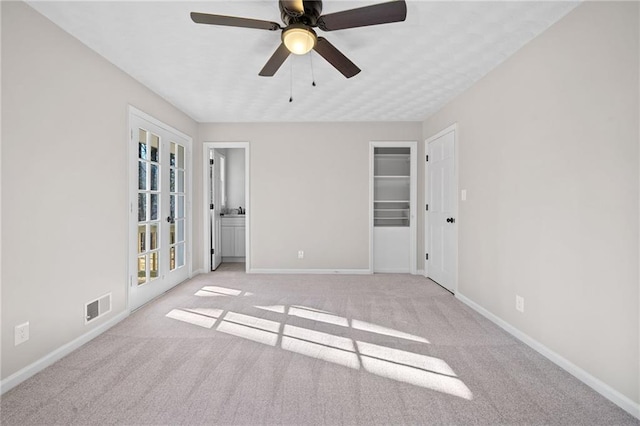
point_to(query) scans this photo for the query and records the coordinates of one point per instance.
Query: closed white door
(159, 215)
(442, 211)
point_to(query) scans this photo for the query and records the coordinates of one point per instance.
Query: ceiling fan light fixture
(299, 40)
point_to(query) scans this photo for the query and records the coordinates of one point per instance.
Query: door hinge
(211, 161)
(427, 207)
(130, 280)
(211, 206)
(426, 257)
(427, 158)
(213, 251)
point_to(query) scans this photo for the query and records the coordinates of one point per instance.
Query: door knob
(451, 220)
(171, 220)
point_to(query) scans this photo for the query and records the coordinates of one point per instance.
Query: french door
(159, 258)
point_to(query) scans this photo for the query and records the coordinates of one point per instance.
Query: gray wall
(64, 181)
(548, 150)
(310, 189)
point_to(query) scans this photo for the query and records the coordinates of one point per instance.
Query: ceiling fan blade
(382, 13)
(232, 21)
(336, 58)
(277, 59)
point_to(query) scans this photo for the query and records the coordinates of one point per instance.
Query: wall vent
(97, 308)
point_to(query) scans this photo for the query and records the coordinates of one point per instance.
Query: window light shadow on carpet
(391, 363)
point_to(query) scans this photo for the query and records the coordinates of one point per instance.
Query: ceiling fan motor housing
(311, 10)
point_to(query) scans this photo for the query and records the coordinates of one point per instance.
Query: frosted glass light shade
(299, 40)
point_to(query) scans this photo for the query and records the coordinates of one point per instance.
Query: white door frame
(208, 146)
(452, 128)
(132, 190)
(413, 145)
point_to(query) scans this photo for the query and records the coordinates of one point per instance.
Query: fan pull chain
(291, 81)
(313, 78)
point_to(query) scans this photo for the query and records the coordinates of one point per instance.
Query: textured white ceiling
(409, 69)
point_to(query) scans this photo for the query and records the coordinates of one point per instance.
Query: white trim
(413, 209)
(206, 147)
(310, 271)
(20, 376)
(189, 196)
(451, 128)
(596, 384)
(371, 187)
(135, 111)
(198, 272)
(420, 272)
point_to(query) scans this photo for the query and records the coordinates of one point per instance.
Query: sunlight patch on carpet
(384, 361)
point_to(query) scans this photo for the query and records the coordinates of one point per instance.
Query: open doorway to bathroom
(227, 240)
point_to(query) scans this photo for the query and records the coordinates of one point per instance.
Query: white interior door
(216, 206)
(159, 209)
(442, 210)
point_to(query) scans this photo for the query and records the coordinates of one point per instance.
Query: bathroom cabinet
(233, 239)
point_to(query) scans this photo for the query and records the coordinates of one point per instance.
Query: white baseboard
(392, 271)
(596, 384)
(20, 376)
(310, 271)
(420, 272)
(197, 272)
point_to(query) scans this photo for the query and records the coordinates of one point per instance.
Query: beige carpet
(230, 348)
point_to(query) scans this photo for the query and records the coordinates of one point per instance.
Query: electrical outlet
(21, 333)
(300, 254)
(519, 303)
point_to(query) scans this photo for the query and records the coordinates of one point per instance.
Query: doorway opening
(227, 210)
(392, 207)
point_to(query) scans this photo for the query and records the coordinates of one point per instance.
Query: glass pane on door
(148, 206)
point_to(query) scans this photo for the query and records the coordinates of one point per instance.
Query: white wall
(549, 149)
(235, 178)
(309, 189)
(64, 182)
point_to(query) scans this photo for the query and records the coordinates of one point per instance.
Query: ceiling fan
(298, 36)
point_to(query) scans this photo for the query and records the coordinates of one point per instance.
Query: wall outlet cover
(519, 303)
(21, 333)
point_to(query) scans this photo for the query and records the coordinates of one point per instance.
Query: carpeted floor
(230, 348)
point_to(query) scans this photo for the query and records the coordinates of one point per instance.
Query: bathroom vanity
(233, 238)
